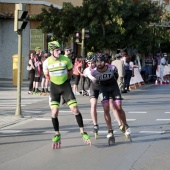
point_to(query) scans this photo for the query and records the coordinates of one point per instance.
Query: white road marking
(70, 111)
(152, 132)
(42, 119)
(103, 132)
(34, 111)
(54, 132)
(166, 112)
(136, 112)
(87, 119)
(131, 119)
(10, 131)
(9, 105)
(126, 120)
(162, 119)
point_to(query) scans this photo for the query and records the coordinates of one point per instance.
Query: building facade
(9, 38)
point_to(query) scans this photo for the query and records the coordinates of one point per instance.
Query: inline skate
(86, 138)
(84, 93)
(95, 130)
(56, 141)
(126, 130)
(110, 136)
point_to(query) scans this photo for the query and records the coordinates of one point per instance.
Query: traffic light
(77, 36)
(87, 33)
(20, 15)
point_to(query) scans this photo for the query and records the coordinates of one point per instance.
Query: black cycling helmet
(91, 57)
(101, 57)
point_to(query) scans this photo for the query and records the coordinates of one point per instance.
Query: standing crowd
(35, 72)
(162, 69)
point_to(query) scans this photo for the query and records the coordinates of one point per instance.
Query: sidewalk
(7, 120)
(9, 83)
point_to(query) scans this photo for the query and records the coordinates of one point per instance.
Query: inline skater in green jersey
(58, 69)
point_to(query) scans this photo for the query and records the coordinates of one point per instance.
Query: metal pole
(82, 43)
(18, 108)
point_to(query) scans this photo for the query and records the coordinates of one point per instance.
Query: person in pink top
(77, 73)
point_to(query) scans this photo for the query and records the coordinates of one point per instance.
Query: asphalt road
(27, 145)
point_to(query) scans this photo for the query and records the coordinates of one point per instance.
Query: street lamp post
(82, 42)
(20, 22)
(18, 107)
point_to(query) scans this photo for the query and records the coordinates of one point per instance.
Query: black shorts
(111, 92)
(65, 90)
(37, 79)
(94, 91)
(77, 79)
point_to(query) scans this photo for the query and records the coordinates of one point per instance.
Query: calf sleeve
(55, 123)
(79, 120)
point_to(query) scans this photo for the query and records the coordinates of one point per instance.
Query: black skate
(110, 136)
(95, 130)
(85, 93)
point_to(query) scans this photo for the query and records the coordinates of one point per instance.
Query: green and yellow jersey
(57, 69)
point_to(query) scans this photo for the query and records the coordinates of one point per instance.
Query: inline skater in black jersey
(107, 75)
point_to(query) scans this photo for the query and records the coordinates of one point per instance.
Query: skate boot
(85, 93)
(56, 141)
(156, 82)
(126, 130)
(110, 136)
(42, 92)
(30, 92)
(37, 92)
(47, 91)
(122, 128)
(86, 138)
(95, 130)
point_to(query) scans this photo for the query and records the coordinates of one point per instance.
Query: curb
(10, 120)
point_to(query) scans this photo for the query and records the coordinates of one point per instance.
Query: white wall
(9, 47)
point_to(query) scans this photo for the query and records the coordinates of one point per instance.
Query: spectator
(163, 63)
(120, 66)
(77, 73)
(67, 52)
(31, 73)
(128, 67)
(44, 81)
(38, 68)
(84, 80)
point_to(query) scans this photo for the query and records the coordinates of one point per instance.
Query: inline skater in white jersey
(94, 91)
(107, 75)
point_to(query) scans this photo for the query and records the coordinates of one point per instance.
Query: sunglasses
(58, 50)
(91, 63)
